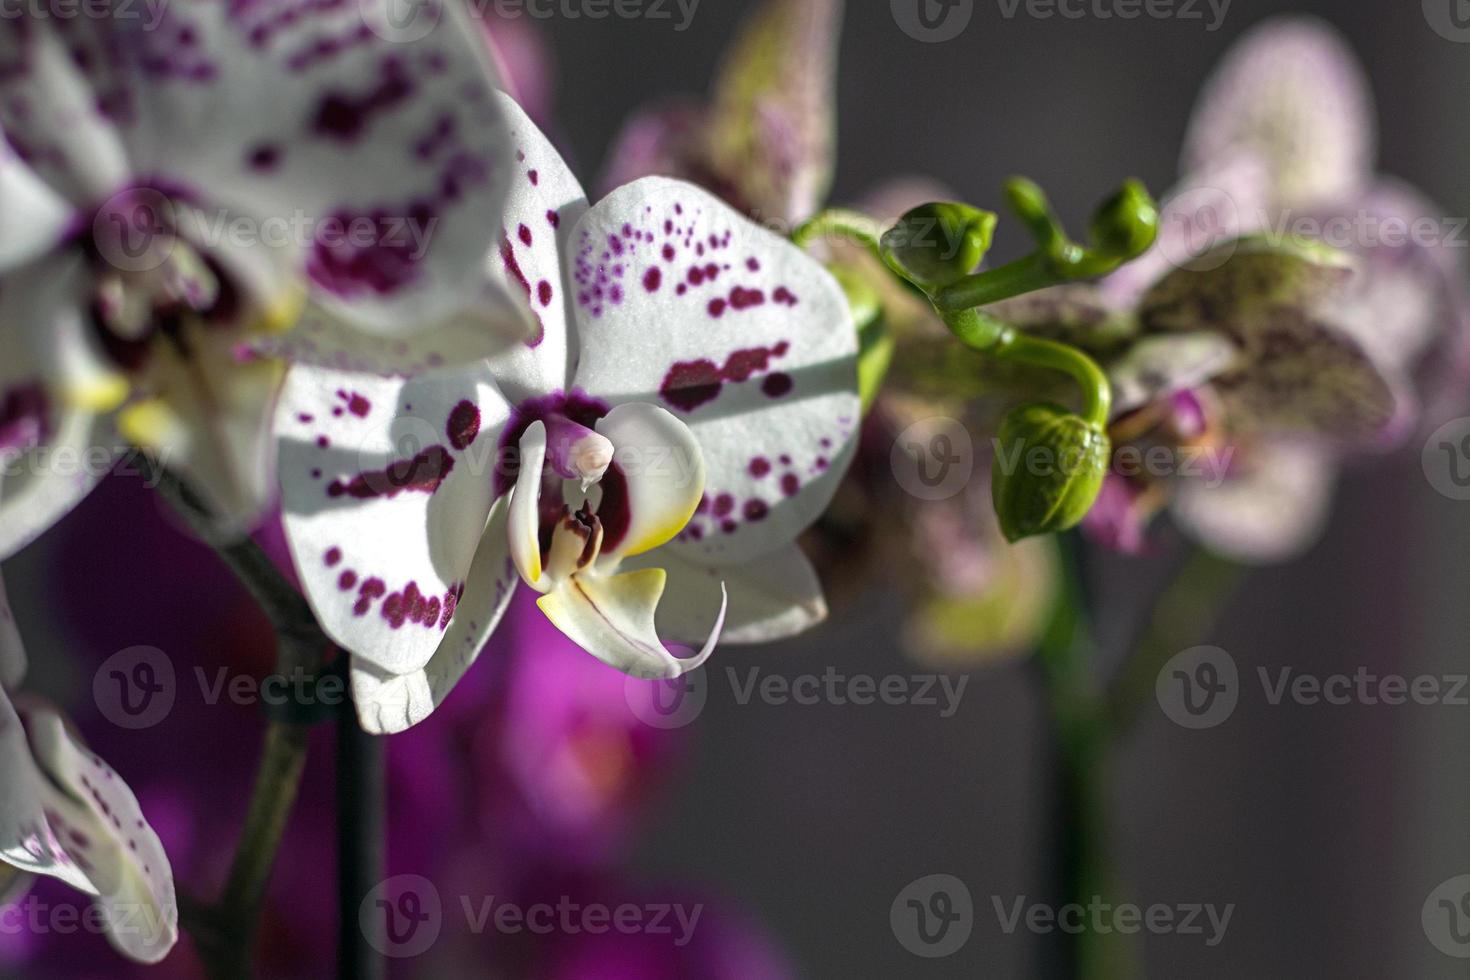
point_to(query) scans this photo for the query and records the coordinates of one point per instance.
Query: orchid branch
(225, 931)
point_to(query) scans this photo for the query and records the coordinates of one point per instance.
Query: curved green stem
(842, 223)
(1096, 391)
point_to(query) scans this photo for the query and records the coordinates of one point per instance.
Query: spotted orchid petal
(52, 450)
(612, 618)
(678, 301)
(1410, 286)
(387, 484)
(1237, 278)
(1292, 94)
(106, 836)
(1156, 367)
(545, 203)
(769, 598)
(1304, 376)
(388, 703)
(1272, 509)
(374, 147)
(67, 814)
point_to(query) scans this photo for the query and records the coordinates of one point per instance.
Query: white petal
(657, 472)
(324, 339)
(54, 115)
(1271, 512)
(42, 486)
(391, 703)
(375, 146)
(1292, 93)
(613, 619)
(32, 216)
(544, 206)
(12, 653)
(99, 823)
(46, 333)
(386, 486)
(27, 839)
(741, 335)
(525, 514)
(770, 598)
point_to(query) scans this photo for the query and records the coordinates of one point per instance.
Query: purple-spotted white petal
(387, 484)
(681, 302)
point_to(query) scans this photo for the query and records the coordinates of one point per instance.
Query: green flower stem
(1040, 270)
(1189, 606)
(1088, 718)
(225, 931)
(841, 223)
(1097, 393)
(1080, 742)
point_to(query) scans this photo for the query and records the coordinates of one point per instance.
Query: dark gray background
(1327, 826)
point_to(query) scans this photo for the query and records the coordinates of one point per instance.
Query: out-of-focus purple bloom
(766, 139)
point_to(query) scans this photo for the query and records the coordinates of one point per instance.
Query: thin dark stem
(361, 800)
(1087, 719)
(224, 932)
(1077, 844)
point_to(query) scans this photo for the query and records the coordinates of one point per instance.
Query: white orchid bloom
(174, 195)
(686, 409)
(65, 813)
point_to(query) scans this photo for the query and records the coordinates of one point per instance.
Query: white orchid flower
(645, 462)
(65, 813)
(174, 195)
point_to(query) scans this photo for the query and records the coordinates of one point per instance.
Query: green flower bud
(938, 244)
(1048, 470)
(1127, 223)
